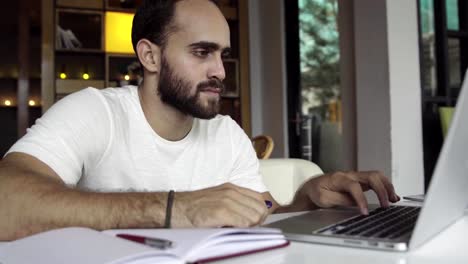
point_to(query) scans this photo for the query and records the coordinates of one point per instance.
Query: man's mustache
(213, 83)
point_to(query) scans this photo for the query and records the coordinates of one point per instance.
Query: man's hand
(345, 189)
(223, 205)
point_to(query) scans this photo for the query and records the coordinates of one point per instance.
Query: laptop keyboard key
(391, 222)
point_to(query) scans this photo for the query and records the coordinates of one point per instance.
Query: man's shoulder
(92, 101)
(114, 92)
(116, 98)
(106, 93)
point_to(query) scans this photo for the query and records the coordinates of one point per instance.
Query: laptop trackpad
(309, 222)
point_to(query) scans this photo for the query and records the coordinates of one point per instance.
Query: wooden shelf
(80, 51)
(82, 4)
(73, 85)
(123, 10)
(116, 5)
(79, 25)
(14, 107)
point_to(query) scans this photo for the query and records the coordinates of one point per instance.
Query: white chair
(283, 177)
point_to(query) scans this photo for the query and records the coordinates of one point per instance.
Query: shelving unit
(20, 69)
(74, 47)
(119, 71)
(65, 62)
(236, 101)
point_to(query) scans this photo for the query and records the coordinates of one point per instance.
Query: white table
(450, 246)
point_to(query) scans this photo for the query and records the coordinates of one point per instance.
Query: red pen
(149, 241)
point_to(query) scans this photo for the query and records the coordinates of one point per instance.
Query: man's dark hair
(153, 21)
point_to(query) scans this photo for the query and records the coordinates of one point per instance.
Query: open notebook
(83, 245)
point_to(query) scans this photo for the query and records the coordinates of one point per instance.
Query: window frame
(432, 134)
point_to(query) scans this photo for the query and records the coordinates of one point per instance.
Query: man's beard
(175, 91)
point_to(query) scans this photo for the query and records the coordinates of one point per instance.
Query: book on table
(84, 245)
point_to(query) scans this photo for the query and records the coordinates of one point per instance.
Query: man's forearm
(33, 199)
(33, 203)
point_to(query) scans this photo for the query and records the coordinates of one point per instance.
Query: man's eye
(201, 53)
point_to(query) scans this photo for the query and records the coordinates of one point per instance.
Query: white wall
(405, 95)
(388, 98)
(256, 87)
(268, 72)
(372, 86)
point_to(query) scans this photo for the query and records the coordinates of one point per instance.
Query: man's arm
(339, 189)
(33, 198)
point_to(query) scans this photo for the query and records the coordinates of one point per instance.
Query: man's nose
(216, 69)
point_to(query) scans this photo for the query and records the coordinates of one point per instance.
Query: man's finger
(238, 207)
(374, 176)
(341, 199)
(353, 187)
(230, 218)
(376, 184)
(356, 191)
(393, 197)
(247, 201)
(256, 197)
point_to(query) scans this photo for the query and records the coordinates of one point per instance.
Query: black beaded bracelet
(170, 201)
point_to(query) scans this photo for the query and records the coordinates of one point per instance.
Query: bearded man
(156, 155)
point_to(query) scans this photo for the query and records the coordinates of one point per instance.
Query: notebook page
(76, 246)
(189, 242)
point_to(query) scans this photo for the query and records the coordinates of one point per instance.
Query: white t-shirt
(100, 140)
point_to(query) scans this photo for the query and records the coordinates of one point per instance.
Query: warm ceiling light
(63, 75)
(32, 103)
(85, 76)
(127, 77)
(7, 102)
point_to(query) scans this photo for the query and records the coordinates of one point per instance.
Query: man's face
(177, 92)
(192, 70)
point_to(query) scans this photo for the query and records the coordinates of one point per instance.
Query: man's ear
(149, 55)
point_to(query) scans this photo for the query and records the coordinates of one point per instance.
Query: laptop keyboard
(388, 223)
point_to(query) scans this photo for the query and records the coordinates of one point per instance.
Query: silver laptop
(398, 228)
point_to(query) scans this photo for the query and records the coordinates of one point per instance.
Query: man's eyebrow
(210, 46)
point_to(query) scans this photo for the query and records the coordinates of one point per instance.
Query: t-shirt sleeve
(245, 172)
(72, 134)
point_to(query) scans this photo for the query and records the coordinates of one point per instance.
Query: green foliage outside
(319, 51)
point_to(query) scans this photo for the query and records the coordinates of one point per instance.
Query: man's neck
(168, 122)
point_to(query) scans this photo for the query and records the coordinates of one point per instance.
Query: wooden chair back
(263, 146)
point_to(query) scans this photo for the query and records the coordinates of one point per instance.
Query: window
(444, 60)
(316, 118)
